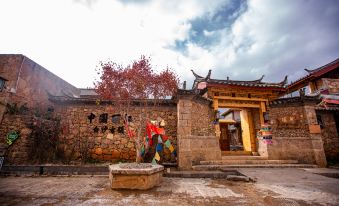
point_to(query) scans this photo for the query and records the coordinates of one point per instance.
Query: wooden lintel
(233, 105)
(242, 91)
(239, 98)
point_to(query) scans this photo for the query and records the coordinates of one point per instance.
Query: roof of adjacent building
(228, 82)
(88, 92)
(315, 73)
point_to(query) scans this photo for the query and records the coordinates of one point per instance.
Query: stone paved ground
(273, 187)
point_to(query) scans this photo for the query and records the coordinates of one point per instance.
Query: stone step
(247, 161)
(226, 167)
(201, 174)
(236, 153)
(244, 158)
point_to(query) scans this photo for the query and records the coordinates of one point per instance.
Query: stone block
(98, 151)
(115, 154)
(314, 129)
(141, 178)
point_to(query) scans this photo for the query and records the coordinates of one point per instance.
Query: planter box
(122, 177)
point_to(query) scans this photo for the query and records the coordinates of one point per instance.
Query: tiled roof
(315, 73)
(69, 99)
(88, 92)
(253, 83)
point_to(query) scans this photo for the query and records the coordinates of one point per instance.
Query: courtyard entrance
(238, 131)
(243, 105)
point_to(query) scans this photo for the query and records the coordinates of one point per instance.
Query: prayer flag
(168, 144)
(157, 156)
(171, 148)
(158, 148)
(159, 139)
(164, 138)
(154, 162)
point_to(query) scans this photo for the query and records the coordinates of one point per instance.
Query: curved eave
(313, 74)
(254, 87)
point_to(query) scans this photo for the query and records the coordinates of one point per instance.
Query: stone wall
(295, 134)
(329, 135)
(109, 142)
(19, 151)
(193, 149)
(196, 135)
(202, 118)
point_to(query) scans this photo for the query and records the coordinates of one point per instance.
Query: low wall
(287, 148)
(108, 140)
(193, 149)
(19, 151)
(296, 133)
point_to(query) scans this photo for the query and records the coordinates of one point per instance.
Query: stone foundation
(193, 149)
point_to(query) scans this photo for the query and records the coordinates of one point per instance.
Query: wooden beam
(242, 91)
(233, 105)
(239, 98)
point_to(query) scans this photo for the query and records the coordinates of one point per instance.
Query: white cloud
(70, 38)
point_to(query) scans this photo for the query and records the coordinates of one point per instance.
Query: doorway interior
(237, 131)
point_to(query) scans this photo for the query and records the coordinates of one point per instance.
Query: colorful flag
(158, 148)
(164, 138)
(157, 156)
(159, 139)
(171, 148)
(168, 144)
(154, 162)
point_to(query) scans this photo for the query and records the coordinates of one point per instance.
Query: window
(2, 84)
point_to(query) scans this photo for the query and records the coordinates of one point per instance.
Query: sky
(242, 39)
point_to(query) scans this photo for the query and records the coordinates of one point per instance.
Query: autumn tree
(139, 86)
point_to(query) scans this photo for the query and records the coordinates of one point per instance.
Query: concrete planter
(135, 176)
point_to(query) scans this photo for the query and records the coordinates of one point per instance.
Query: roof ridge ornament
(284, 82)
(196, 75)
(262, 77)
(209, 74)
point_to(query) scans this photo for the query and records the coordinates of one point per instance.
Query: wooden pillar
(246, 133)
(217, 127)
(262, 109)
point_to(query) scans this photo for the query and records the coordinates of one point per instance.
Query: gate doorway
(237, 131)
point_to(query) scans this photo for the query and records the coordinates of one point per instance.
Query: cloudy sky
(236, 38)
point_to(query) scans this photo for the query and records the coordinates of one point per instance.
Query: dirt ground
(273, 187)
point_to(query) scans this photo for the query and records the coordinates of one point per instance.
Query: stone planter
(141, 176)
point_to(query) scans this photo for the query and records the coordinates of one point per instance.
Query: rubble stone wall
(108, 141)
(329, 135)
(294, 136)
(196, 135)
(19, 151)
(202, 118)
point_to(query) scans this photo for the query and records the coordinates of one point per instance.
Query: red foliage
(136, 81)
